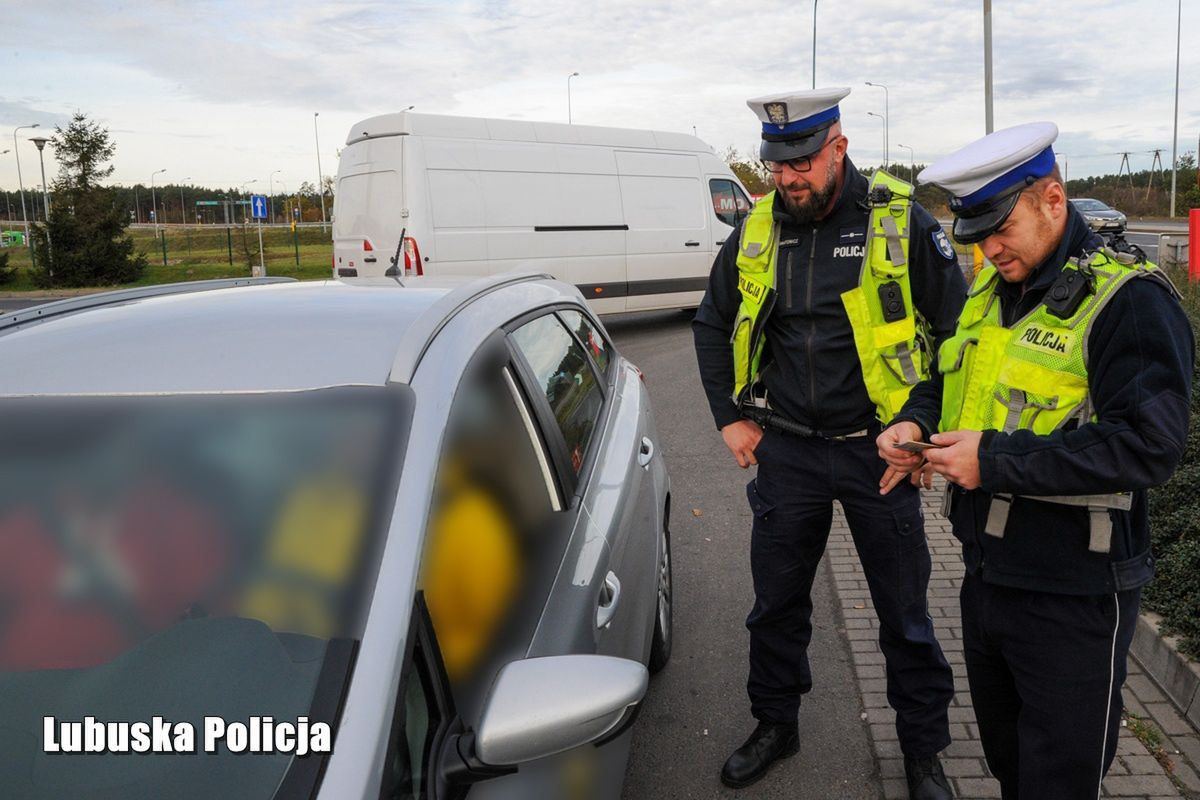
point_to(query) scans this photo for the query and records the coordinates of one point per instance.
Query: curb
(1176, 674)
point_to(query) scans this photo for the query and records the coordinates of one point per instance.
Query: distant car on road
(1101, 217)
(426, 527)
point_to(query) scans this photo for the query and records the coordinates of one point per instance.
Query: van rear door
(369, 203)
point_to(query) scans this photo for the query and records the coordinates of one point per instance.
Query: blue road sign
(258, 206)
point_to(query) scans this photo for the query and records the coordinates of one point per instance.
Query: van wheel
(660, 645)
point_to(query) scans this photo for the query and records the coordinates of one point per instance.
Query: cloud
(229, 87)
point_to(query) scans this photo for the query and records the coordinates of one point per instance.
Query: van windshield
(189, 558)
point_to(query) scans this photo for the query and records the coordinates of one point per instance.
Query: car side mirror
(539, 707)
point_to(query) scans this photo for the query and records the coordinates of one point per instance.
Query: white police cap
(794, 123)
(985, 178)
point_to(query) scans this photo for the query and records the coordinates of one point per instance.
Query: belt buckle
(856, 435)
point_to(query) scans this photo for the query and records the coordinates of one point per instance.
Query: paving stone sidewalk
(1136, 774)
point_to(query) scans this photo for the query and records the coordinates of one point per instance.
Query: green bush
(1175, 522)
(6, 273)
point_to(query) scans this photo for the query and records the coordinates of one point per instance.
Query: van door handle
(645, 452)
(720, 242)
(691, 244)
(610, 595)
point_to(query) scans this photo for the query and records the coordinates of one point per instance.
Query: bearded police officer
(1061, 397)
(820, 315)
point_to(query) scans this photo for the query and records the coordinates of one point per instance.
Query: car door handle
(720, 242)
(645, 452)
(610, 595)
(691, 244)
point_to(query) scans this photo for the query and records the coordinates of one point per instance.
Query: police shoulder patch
(942, 243)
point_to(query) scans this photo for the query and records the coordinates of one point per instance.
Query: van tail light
(367, 245)
(412, 257)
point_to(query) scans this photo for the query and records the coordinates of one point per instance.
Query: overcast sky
(224, 92)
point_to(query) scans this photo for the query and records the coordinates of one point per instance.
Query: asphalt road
(696, 712)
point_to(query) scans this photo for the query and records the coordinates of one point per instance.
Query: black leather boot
(769, 742)
(926, 779)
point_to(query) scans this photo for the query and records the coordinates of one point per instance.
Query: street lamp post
(21, 183)
(182, 213)
(912, 169)
(320, 175)
(8, 218)
(885, 120)
(271, 192)
(245, 194)
(154, 200)
(1175, 130)
(572, 75)
(814, 53)
(40, 141)
(987, 65)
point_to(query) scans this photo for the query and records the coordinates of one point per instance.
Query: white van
(631, 217)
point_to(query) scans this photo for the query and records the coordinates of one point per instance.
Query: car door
(582, 388)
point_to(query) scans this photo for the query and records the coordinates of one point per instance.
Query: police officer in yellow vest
(1062, 396)
(820, 315)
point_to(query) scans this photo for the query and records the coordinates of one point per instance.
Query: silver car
(299, 539)
(1099, 216)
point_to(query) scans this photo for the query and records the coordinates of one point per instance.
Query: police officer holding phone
(821, 313)
(1062, 396)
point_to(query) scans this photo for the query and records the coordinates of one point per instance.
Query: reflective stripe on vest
(892, 355)
(1033, 375)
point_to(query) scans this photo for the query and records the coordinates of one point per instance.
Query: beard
(806, 211)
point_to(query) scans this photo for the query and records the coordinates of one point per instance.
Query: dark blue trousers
(1045, 672)
(792, 501)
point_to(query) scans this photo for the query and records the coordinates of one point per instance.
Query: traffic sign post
(258, 210)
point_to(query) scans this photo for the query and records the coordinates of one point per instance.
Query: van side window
(730, 204)
(566, 377)
(743, 203)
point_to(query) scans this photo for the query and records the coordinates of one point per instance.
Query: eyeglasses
(799, 164)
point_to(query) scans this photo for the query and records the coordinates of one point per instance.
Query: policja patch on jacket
(942, 243)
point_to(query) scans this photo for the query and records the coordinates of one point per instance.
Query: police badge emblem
(943, 244)
(777, 113)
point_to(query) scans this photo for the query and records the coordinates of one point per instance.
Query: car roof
(277, 337)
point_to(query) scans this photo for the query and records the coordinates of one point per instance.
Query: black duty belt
(769, 418)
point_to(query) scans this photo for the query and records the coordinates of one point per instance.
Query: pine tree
(85, 242)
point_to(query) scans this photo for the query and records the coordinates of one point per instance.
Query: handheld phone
(917, 447)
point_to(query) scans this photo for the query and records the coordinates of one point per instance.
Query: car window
(490, 551)
(417, 721)
(565, 377)
(593, 341)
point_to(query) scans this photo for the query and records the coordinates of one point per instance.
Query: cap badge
(777, 113)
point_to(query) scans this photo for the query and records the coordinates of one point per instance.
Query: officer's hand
(741, 438)
(958, 461)
(900, 462)
(923, 476)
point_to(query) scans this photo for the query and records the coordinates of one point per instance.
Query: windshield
(1090, 205)
(197, 562)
